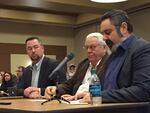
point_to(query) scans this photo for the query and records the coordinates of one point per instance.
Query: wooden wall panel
(4, 62)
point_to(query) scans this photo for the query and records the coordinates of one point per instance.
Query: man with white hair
(97, 53)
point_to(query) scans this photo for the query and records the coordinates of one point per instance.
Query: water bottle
(95, 88)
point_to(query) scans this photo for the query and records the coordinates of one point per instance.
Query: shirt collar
(96, 64)
(124, 45)
(38, 64)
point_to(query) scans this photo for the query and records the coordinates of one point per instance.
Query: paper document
(74, 102)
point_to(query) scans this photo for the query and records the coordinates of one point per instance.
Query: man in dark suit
(97, 53)
(35, 77)
(126, 77)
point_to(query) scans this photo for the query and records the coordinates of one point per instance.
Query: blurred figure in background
(7, 82)
(70, 71)
(19, 71)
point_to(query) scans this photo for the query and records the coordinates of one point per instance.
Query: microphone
(69, 57)
(62, 63)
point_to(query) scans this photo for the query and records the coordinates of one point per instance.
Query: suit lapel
(41, 73)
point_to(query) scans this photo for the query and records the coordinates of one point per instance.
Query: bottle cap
(93, 71)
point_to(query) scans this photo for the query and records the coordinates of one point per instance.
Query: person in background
(97, 53)
(19, 73)
(7, 82)
(35, 77)
(70, 71)
(126, 77)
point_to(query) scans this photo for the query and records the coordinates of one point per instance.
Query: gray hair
(101, 42)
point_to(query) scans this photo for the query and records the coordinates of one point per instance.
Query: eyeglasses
(92, 47)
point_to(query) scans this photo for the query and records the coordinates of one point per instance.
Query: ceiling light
(108, 1)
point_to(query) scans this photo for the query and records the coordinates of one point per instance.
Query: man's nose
(33, 50)
(105, 37)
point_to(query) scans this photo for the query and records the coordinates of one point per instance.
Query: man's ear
(124, 28)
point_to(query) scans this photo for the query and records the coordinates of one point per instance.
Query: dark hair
(22, 67)
(32, 38)
(9, 74)
(117, 17)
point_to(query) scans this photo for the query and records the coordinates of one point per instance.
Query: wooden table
(34, 106)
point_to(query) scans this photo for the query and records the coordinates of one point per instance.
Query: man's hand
(35, 95)
(49, 92)
(68, 97)
(84, 97)
(32, 92)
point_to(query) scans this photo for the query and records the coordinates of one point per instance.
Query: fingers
(79, 95)
(65, 95)
(50, 91)
(86, 98)
(34, 95)
(68, 97)
(26, 91)
(29, 90)
(83, 96)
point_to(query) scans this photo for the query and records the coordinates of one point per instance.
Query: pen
(5, 103)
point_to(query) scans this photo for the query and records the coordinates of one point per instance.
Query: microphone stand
(57, 96)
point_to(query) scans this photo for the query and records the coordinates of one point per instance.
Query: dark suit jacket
(133, 77)
(47, 66)
(71, 86)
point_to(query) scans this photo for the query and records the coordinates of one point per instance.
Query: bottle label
(95, 90)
